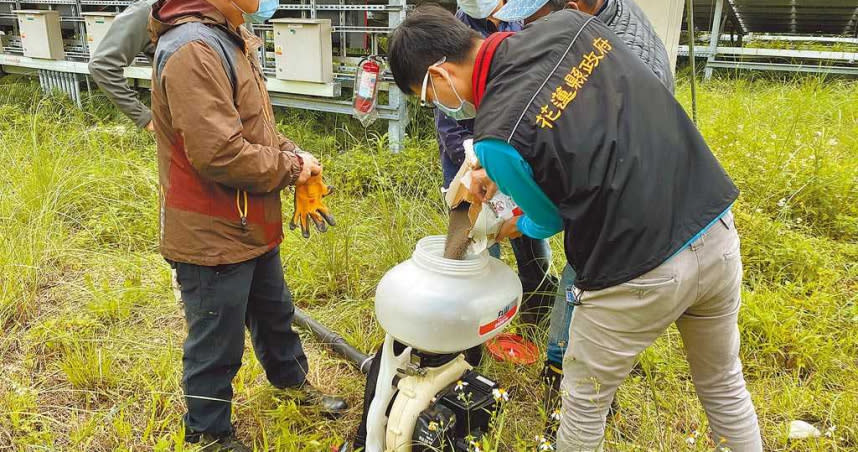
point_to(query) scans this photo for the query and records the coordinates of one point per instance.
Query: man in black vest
(587, 141)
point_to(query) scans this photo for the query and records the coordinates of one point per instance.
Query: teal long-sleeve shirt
(514, 176)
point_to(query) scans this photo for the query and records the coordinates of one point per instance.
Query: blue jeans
(561, 315)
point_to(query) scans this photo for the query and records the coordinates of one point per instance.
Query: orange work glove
(309, 205)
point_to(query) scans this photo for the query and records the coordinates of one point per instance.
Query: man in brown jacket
(222, 165)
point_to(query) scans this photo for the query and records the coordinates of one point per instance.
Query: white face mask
(478, 9)
(465, 110)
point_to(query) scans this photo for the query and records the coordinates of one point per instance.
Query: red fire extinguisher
(366, 89)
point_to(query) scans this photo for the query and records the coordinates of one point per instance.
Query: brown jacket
(221, 161)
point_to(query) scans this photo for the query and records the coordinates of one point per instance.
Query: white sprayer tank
(440, 305)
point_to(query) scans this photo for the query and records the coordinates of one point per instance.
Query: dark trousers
(219, 303)
(533, 258)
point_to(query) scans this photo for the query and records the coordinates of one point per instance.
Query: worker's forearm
(211, 126)
(513, 175)
(528, 227)
(125, 39)
(250, 167)
(111, 79)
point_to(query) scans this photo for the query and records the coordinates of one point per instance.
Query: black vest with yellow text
(629, 172)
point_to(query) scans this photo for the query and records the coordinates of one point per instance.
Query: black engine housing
(459, 414)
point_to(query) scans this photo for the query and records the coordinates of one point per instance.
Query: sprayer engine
(461, 413)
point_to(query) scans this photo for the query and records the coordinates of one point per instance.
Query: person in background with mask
(222, 164)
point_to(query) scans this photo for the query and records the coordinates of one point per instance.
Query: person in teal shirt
(585, 138)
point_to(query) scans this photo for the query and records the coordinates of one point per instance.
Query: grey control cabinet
(41, 36)
(302, 50)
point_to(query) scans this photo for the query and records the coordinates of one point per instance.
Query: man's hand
(509, 230)
(150, 127)
(311, 167)
(482, 187)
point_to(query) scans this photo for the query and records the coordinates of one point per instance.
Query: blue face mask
(266, 11)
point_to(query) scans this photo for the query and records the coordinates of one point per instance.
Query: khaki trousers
(700, 290)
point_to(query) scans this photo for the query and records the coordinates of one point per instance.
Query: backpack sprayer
(427, 396)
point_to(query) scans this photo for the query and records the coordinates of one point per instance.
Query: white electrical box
(97, 25)
(41, 36)
(302, 49)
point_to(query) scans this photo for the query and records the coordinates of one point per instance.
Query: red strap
(484, 62)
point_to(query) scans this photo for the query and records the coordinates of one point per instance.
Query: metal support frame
(735, 56)
(396, 128)
(689, 4)
(395, 111)
(808, 61)
(318, 97)
(713, 41)
(65, 82)
(784, 67)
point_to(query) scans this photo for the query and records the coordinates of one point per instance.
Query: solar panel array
(802, 17)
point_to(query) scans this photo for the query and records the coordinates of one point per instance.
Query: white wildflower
(546, 446)
(543, 443)
(555, 415)
(782, 202)
(460, 385)
(500, 394)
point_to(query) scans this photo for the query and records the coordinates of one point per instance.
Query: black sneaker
(222, 443)
(307, 395)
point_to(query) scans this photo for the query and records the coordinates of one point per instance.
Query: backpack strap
(217, 39)
(483, 64)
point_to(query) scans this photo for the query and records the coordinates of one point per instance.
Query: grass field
(91, 335)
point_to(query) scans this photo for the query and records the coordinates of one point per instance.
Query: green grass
(91, 336)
